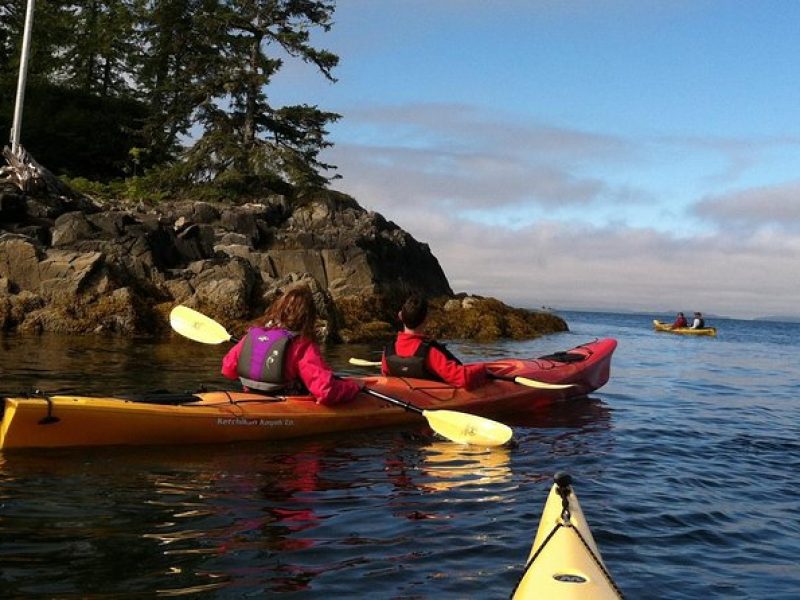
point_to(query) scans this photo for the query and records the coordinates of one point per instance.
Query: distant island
(779, 319)
(661, 313)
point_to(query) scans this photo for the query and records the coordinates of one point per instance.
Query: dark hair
(414, 311)
(295, 311)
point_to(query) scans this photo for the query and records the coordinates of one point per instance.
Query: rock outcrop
(74, 265)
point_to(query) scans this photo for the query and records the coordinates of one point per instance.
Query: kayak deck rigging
(565, 563)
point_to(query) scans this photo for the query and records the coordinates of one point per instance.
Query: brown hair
(295, 311)
(414, 311)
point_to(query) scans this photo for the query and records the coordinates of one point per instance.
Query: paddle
(198, 327)
(520, 380)
(456, 426)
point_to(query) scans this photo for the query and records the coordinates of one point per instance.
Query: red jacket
(304, 362)
(447, 369)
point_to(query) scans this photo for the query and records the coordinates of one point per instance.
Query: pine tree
(99, 48)
(187, 82)
(246, 141)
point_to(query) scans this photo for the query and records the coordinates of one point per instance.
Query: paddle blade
(468, 429)
(542, 385)
(196, 326)
(360, 362)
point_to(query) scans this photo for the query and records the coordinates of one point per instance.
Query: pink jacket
(304, 362)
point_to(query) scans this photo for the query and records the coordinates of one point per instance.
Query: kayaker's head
(294, 310)
(414, 312)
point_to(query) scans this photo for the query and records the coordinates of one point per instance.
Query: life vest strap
(261, 385)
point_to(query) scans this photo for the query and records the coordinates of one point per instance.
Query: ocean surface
(687, 466)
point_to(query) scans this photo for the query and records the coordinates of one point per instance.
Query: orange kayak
(40, 421)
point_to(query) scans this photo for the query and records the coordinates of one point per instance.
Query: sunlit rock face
(80, 266)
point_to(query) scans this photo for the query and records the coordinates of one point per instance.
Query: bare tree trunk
(29, 176)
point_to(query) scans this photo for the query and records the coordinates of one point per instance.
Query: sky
(578, 154)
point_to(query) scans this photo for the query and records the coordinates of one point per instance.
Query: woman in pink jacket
(281, 353)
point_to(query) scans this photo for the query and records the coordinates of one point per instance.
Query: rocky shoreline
(74, 265)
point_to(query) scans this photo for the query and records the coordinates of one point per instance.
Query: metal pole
(23, 73)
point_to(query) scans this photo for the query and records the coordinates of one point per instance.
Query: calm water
(686, 465)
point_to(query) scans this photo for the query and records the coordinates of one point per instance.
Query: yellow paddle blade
(196, 326)
(541, 384)
(468, 429)
(360, 362)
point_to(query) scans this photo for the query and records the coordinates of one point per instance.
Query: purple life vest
(262, 358)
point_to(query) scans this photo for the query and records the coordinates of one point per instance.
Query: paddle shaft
(395, 401)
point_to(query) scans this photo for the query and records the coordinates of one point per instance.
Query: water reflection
(105, 365)
(572, 414)
(242, 519)
(446, 466)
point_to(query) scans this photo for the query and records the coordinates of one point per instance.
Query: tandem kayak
(42, 420)
(564, 563)
(659, 326)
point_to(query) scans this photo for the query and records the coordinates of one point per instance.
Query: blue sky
(613, 154)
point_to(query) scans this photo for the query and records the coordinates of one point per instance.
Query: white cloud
(453, 180)
(777, 205)
(460, 157)
(443, 172)
(560, 265)
(610, 267)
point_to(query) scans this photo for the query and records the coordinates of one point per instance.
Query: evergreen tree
(99, 49)
(176, 47)
(52, 23)
(80, 116)
(193, 75)
(245, 140)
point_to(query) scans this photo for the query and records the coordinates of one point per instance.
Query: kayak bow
(565, 563)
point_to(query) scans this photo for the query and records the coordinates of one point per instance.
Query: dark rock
(70, 228)
(66, 265)
(12, 206)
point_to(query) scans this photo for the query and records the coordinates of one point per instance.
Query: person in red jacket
(412, 354)
(680, 321)
(281, 353)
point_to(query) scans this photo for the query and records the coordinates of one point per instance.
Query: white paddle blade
(542, 385)
(196, 326)
(360, 362)
(465, 428)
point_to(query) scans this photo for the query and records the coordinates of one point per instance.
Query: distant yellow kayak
(659, 326)
(564, 563)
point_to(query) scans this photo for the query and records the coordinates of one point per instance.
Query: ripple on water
(685, 465)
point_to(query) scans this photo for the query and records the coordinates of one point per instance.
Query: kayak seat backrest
(163, 397)
(564, 357)
(176, 398)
